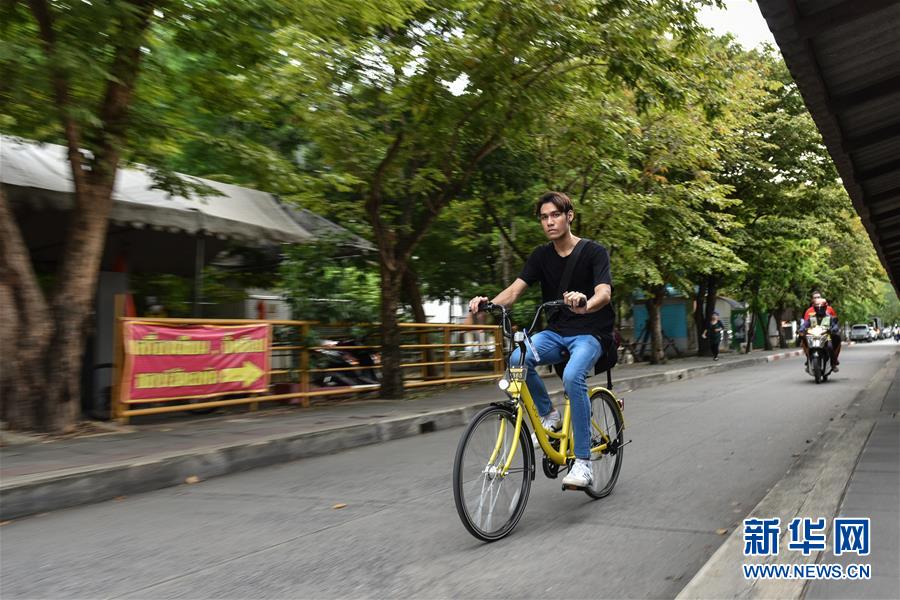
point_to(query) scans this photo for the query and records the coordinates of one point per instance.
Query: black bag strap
(570, 266)
(563, 284)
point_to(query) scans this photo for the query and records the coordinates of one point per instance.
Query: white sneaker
(580, 476)
(551, 421)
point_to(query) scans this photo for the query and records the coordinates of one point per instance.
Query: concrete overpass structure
(845, 57)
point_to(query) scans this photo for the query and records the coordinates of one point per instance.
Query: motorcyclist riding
(822, 314)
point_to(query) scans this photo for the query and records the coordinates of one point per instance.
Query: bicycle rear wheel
(490, 500)
(607, 428)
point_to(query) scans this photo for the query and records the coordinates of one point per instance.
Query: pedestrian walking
(714, 331)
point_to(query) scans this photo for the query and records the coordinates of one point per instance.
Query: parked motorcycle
(367, 361)
(353, 366)
(819, 365)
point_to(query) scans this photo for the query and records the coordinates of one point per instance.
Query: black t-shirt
(715, 330)
(592, 269)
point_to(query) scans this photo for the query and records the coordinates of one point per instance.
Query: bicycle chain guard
(551, 469)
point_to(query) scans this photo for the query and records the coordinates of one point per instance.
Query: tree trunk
(751, 327)
(48, 358)
(26, 325)
(73, 304)
(413, 296)
(782, 341)
(654, 322)
(700, 318)
(767, 343)
(392, 373)
(712, 293)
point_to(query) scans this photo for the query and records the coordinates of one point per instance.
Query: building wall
(674, 314)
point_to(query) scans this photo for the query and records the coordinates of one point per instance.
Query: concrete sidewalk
(852, 470)
(40, 476)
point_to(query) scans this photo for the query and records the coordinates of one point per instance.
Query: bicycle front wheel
(607, 444)
(490, 498)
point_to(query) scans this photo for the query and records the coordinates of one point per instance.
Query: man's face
(554, 221)
(816, 298)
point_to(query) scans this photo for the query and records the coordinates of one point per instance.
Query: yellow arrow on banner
(246, 374)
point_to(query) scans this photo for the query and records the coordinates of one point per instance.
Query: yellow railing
(432, 354)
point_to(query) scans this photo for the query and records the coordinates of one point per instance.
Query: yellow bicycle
(495, 460)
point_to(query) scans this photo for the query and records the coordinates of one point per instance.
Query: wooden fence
(432, 354)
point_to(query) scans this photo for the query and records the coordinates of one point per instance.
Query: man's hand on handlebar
(576, 301)
(475, 302)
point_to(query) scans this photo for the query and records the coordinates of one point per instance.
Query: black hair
(562, 202)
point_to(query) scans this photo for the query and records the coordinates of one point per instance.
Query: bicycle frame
(518, 390)
(519, 393)
(525, 404)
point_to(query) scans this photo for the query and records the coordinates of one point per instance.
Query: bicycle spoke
(490, 499)
(607, 431)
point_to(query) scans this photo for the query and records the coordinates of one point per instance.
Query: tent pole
(200, 251)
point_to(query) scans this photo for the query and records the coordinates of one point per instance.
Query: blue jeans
(584, 351)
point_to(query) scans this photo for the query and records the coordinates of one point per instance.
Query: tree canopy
(429, 128)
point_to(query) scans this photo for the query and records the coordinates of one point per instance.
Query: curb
(814, 486)
(34, 494)
(627, 384)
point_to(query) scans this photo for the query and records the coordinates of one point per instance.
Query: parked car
(860, 333)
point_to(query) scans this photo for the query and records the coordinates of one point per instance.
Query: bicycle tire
(476, 479)
(606, 422)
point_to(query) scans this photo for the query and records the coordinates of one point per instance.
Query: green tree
(798, 230)
(87, 74)
(643, 173)
(81, 63)
(322, 285)
(400, 117)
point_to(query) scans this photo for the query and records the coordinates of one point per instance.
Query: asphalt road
(704, 452)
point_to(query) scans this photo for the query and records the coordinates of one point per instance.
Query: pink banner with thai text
(165, 362)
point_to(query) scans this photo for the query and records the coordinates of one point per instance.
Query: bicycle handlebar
(485, 306)
(506, 322)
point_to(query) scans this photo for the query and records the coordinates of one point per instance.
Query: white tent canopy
(40, 175)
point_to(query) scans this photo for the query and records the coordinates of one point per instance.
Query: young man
(576, 329)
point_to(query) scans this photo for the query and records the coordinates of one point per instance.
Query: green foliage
(799, 231)
(889, 307)
(176, 293)
(320, 285)
(402, 115)
(194, 106)
(430, 127)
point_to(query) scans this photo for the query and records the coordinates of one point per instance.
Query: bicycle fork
(496, 470)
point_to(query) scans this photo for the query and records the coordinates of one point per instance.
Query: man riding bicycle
(577, 331)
